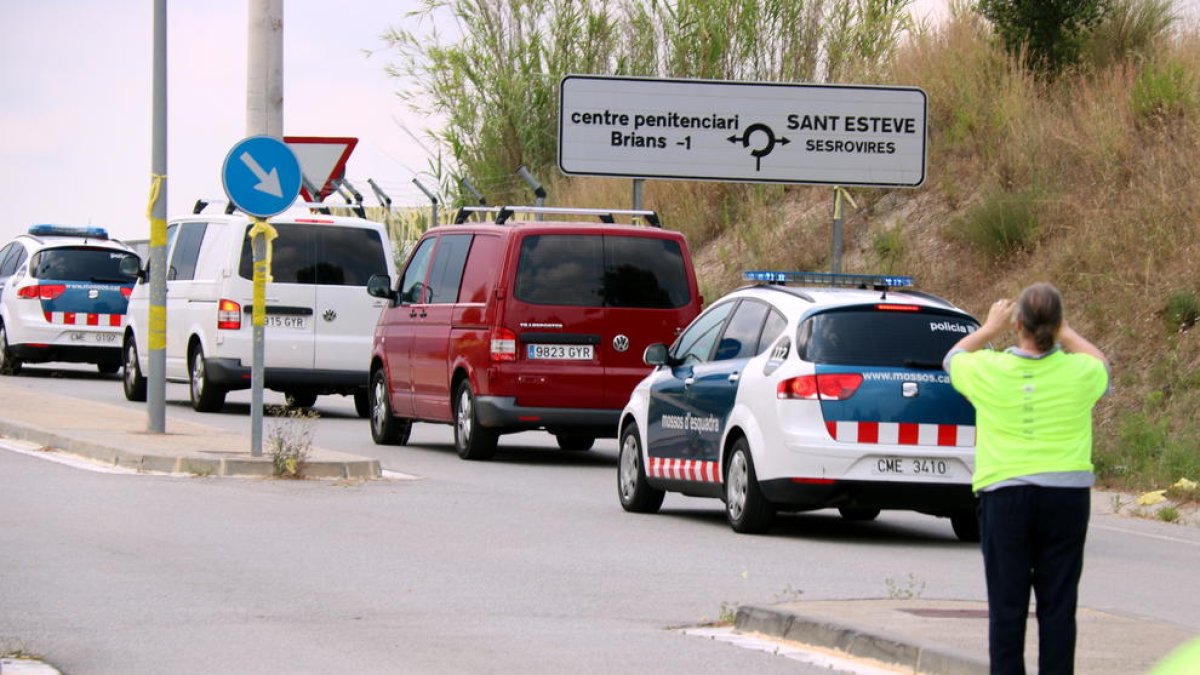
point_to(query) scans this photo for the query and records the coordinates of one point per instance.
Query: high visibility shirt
(1032, 415)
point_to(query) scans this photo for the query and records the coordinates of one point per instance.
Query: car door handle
(734, 377)
(689, 381)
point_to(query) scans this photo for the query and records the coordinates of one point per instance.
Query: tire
(299, 399)
(362, 403)
(966, 525)
(747, 510)
(575, 442)
(636, 495)
(861, 515)
(471, 439)
(9, 364)
(386, 429)
(108, 367)
(133, 382)
(205, 396)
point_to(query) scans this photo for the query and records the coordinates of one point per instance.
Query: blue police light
(829, 279)
(90, 232)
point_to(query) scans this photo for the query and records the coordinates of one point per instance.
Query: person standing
(1033, 469)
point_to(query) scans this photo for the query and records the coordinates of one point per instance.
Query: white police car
(63, 297)
(793, 398)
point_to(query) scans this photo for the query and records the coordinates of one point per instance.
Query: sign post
(261, 177)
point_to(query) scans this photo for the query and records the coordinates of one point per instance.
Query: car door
(344, 315)
(397, 324)
(185, 307)
(430, 348)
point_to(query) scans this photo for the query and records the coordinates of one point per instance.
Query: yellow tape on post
(158, 226)
(262, 269)
(157, 333)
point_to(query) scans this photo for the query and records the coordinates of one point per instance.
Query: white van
(320, 319)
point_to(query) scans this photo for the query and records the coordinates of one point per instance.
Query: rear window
(78, 263)
(320, 254)
(592, 270)
(870, 337)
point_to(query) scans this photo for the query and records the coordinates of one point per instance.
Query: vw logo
(329, 315)
(93, 294)
(620, 343)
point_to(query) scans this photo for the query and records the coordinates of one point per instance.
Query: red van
(511, 325)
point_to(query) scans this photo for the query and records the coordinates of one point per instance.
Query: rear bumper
(231, 374)
(503, 414)
(933, 498)
(33, 353)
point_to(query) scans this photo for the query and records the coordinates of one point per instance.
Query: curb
(877, 645)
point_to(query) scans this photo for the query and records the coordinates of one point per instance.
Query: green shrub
(1133, 29)
(1049, 34)
(1163, 90)
(1183, 310)
(1004, 223)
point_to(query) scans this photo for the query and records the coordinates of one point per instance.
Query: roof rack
(503, 213)
(877, 282)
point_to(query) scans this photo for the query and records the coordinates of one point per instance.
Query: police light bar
(90, 232)
(829, 279)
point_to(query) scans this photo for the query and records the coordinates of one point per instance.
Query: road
(523, 563)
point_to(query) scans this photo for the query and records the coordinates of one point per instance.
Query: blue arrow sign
(261, 176)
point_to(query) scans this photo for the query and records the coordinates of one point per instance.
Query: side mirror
(655, 355)
(131, 266)
(380, 286)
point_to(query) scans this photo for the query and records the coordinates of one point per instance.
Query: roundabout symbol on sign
(765, 149)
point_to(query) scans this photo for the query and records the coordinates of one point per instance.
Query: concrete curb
(106, 449)
(876, 644)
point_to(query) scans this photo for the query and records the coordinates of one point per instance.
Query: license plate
(293, 321)
(88, 337)
(561, 352)
(912, 466)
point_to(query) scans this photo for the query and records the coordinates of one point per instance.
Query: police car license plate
(912, 466)
(92, 338)
(295, 321)
(561, 352)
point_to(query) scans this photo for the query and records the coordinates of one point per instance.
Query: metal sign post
(261, 177)
(835, 254)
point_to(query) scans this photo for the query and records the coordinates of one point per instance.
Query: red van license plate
(561, 352)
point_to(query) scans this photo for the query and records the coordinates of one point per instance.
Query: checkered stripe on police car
(85, 319)
(685, 469)
(949, 435)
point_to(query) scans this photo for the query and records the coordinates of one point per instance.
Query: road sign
(322, 160)
(742, 131)
(261, 176)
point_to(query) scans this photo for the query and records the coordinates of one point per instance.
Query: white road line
(52, 455)
(1160, 537)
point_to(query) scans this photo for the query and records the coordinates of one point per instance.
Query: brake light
(825, 387)
(41, 291)
(127, 291)
(899, 308)
(229, 315)
(503, 345)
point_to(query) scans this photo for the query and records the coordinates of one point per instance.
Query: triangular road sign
(322, 160)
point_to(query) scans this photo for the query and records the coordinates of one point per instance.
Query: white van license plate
(561, 352)
(87, 337)
(293, 321)
(912, 466)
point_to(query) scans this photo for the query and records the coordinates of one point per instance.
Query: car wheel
(386, 429)
(575, 442)
(966, 525)
(471, 439)
(635, 493)
(9, 364)
(362, 403)
(747, 509)
(206, 397)
(849, 513)
(133, 382)
(299, 399)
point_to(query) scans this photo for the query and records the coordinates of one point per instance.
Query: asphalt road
(523, 563)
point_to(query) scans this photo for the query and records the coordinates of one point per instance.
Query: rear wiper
(922, 365)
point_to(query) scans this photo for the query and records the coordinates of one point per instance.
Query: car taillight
(898, 308)
(503, 346)
(41, 291)
(127, 291)
(826, 387)
(229, 315)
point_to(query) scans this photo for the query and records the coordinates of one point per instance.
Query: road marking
(1161, 537)
(792, 650)
(53, 455)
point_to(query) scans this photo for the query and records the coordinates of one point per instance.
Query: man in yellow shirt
(1033, 469)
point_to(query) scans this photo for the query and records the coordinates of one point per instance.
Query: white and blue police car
(805, 391)
(63, 297)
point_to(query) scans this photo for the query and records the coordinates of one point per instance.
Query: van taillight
(229, 315)
(127, 291)
(826, 387)
(41, 291)
(503, 345)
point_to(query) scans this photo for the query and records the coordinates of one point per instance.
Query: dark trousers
(1033, 537)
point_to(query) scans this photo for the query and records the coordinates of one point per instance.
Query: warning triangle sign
(322, 161)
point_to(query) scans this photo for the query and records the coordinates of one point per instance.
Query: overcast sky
(76, 105)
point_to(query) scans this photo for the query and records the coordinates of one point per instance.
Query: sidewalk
(116, 436)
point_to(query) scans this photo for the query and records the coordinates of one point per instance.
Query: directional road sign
(261, 176)
(756, 132)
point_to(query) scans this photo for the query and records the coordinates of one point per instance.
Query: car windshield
(590, 270)
(869, 337)
(79, 263)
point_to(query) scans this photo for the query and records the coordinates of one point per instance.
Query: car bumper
(503, 413)
(934, 498)
(231, 374)
(72, 353)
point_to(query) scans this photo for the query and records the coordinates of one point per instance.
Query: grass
(289, 441)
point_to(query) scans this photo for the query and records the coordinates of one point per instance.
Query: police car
(63, 297)
(806, 391)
